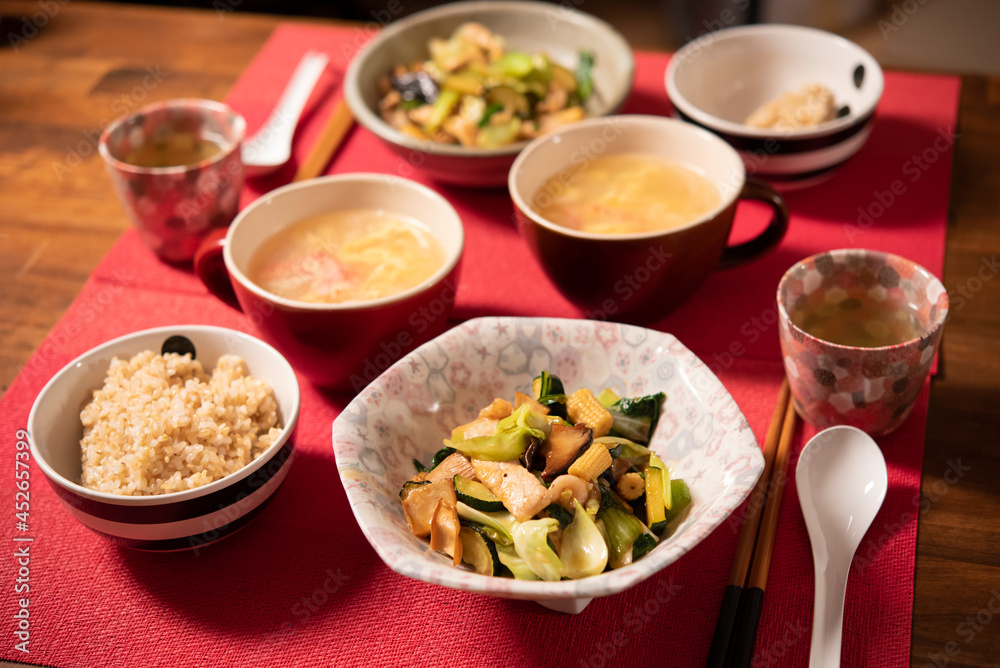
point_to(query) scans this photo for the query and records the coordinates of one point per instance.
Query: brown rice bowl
(179, 520)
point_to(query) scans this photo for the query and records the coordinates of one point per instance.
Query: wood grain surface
(58, 217)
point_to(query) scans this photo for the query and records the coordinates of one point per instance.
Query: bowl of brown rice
(170, 438)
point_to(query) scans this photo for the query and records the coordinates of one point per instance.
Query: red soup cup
(345, 345)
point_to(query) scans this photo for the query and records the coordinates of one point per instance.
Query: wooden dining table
(90, 62)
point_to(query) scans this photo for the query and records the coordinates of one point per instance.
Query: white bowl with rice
(162, 452)
(722, 80)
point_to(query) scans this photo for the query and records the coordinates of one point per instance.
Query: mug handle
(770, 237)
(211, 268)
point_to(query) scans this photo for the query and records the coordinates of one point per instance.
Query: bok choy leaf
(623, 528)
(635, 419)
(583, 551)
(531, 540)
(512, 560)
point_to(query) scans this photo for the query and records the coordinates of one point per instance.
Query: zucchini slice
(656, 462)
(409, 486)
(479, 551)
(655, 515)
(476, 495)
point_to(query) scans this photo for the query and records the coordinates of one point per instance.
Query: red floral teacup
(872, 388)
(175, 206)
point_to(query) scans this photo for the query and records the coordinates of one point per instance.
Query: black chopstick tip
(722, 639)
(746, 633)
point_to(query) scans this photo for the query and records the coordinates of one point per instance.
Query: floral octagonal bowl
(406, 412)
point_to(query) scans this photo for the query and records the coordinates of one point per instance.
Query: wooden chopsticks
(336, 127)
(736, 626)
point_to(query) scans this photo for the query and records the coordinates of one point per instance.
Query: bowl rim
(231, 147)
(78, 489)
(796, 268)
(384, 181)
(706, 41)
(632, 120)
(604, 584)
(374, 123)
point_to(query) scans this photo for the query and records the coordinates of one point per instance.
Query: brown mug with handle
(639, 277)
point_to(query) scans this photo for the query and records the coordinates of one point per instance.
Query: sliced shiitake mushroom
(563, 445)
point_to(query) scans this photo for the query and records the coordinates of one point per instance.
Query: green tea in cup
(173, 150)
(859, 320)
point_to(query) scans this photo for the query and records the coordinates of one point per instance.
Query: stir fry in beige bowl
(473, 91)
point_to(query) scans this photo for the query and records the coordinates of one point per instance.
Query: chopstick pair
(336, 127)
(739, 615)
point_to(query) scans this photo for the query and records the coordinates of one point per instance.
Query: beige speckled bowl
(533, 27)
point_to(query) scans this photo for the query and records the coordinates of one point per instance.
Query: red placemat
(301, 585)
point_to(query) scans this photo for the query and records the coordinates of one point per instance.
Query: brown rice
(161, 424)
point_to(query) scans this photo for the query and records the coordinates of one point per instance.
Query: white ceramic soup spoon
(271, 146)
(842, 481)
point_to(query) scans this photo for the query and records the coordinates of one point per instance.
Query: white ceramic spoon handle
(280, 125)
(828, 617)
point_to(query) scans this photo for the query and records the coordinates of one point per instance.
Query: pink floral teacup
(869, 387)
(174, 206)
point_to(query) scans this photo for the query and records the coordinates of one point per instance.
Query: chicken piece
(551, 121)
(520, 491)
(462, 129)
(391, 99)
(454, 464)
(395, 117)
(453, 54)
(482, 37)
(520, 398)
(556, 98)
(482, 426)
(442, 137)
(497, 410)
(411, 130)
(472, 108)
(421, 115)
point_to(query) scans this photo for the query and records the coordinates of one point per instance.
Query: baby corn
(583, 406)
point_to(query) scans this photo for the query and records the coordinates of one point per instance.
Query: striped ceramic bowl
(720, 78)
(180, 520)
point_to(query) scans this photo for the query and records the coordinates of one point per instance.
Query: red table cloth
(301, 585)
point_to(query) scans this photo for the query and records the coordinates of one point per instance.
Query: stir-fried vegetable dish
(551, 486)
(475, 93)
